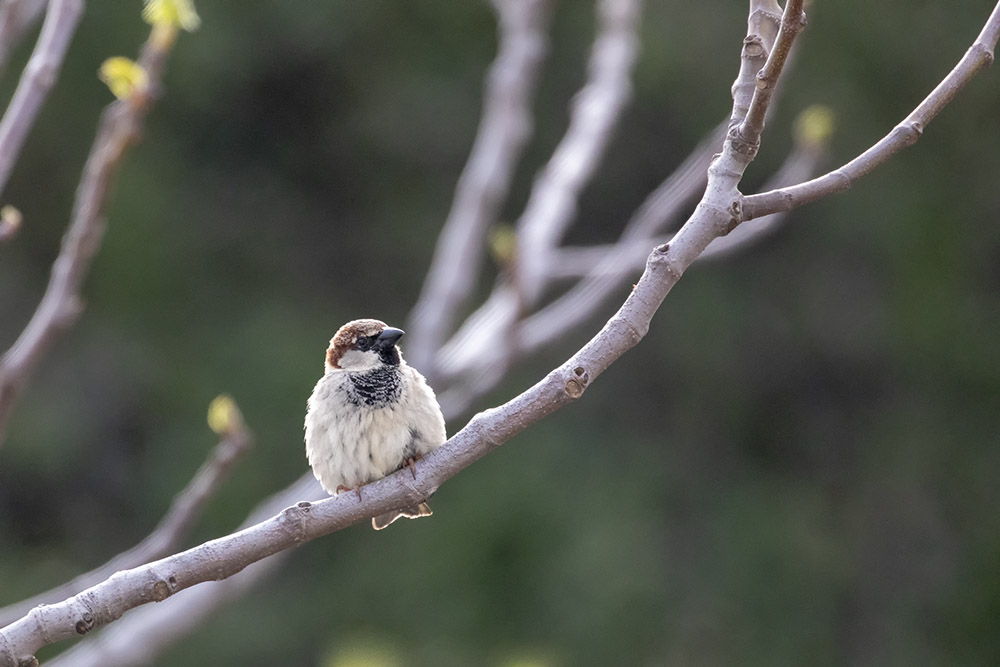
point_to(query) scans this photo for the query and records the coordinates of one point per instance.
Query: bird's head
(362, 345)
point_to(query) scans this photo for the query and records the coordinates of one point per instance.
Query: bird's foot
(411, 462)
(357, 490)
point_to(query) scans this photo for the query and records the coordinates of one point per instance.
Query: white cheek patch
(356, 360)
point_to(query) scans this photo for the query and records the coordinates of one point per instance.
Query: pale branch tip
(747, 136)
(906, 133)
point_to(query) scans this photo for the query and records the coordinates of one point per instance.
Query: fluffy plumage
(370, 414)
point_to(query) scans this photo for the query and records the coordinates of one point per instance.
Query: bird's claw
(357, 490)
(412, 463)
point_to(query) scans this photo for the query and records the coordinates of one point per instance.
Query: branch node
(740, 145)
(161, 590)
(293, 520)
(660, 258)
(481, 422)
(85, 624)
(753, 46)
(575, 386)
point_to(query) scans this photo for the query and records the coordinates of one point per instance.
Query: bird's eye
(364, 343)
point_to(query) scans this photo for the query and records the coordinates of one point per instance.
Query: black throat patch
(378, 387)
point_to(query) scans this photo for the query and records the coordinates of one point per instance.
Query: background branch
(487, 334)
(118, 129)
(168, 534)
(979, 55)
(504, 131)
(17, 17)
(36, 81)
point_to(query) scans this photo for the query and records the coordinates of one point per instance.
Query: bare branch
(37, 80)
(167, 535)
(139, 637)
(504, 131)
(472, 365)
(16, 18)
(811, 148)
(763, 23)
(61, 304)
(979, 55)
(223, 557)
(792, 22)
(716, 214)
(552, 206)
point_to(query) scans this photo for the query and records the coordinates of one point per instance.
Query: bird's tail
(382, 520)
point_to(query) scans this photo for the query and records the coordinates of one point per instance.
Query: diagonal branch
(106, 601)
(16, 18)
(595, 111)
(118, 129)
(223, 557)
(503, 133)
(37, 80)
(554, 195)
(167, 535)
(978, 56)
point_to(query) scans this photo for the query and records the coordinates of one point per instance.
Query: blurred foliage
(797, 466)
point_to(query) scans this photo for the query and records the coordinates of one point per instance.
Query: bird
(370, 415)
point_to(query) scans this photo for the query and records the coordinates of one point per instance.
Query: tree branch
(504, 131)
(37, 80)
(596, 108)
(118, 129)
(978, 56)
(16, 18)
(716, 214)
(223, 557)
(552, 204)
(168, 534)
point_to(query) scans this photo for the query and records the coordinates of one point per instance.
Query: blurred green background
(798, 465)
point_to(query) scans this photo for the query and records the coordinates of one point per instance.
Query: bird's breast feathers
(363, 426)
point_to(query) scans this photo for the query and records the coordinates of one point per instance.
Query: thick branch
(979, 55)
(226, 556)
(167, 535)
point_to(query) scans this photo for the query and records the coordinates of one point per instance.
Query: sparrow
(370, 414)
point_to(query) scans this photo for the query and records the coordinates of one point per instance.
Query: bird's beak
(388, 337)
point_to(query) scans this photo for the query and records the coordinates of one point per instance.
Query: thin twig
(503, 133)
(118, 129)
(36, 81)
(978, 56)
(168, 534)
